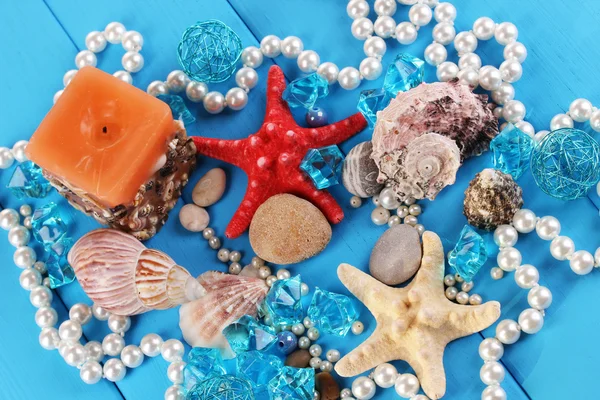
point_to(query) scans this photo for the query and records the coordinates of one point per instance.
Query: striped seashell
(125, 278)
(360, 172)
(228, 298)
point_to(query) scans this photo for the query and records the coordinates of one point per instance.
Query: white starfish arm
(467, 320)
(428, 364)
(367, 289)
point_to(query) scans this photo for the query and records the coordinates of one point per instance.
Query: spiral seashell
(125, 278)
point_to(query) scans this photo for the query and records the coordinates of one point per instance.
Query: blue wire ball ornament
(566, 164)
(208, 51)
(221, 387)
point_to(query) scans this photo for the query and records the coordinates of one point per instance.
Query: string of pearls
(9, 156)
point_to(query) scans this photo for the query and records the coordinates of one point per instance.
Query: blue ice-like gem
(283, 302)
(331, 312)
(405, 73)
(293, 384)
(512, 151)
(259, 368)
(27, 181)
(60, 271)
(304, 92)
(469, 254)
(323, 165)
(222, 387)
(248, 334)
(178, 108)
(47, 226)
(370, 102)
(202, 363)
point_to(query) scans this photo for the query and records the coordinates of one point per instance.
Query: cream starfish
(414, 323)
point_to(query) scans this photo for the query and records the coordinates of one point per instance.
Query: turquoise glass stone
(248, 334)
(283, 302)
(405, 73)
(512, 151)
(202, 364)
(224, 387)
(60, 271)
(48, 227)
(257, 367)
(324, 166)
(331, 312)
(27, 181)
(178, 108)
(293, 384)
(304, 92)
(370, 102)
(469, 254)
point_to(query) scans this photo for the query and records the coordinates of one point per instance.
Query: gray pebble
(396, 256)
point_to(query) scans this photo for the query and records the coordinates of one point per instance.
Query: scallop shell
(124, 277)
(228, 298)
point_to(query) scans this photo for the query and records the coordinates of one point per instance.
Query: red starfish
(271, 157)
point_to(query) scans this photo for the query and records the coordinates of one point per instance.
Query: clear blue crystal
(178, 108)
(405, 73)
(248, 334)
(371, 101)
(258, 367)
(304, 92)
(202, 364)
(331, 312)
(324, 166)
(283, 302)
(512, 151)
(469, 254)
(27, 181)
(224, 387)
(60, 271)
(48, 227)
(293, 384)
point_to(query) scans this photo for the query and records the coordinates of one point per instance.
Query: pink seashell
(228, 298)
(124, 277)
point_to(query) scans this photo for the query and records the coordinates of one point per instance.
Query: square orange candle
(114, 151)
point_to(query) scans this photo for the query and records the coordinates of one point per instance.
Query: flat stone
(327, 386)
(193, 218)
(396, 256)
(209, 188)
(287, 229)
(298, 359)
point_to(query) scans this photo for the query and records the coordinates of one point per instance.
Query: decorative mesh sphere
(221, 387)
(566, 164)
(209, 51)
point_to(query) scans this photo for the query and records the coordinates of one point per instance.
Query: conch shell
(228, 298)
(124, 277)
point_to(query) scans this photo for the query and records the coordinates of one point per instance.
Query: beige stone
(209, 188)
(193, 218)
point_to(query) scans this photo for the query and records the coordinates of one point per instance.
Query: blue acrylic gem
(304, 92)
(316, 117)
(201, 365)
(324, 166)
(293, 384)
(405, 73)
(60, 271)
(512, 151)
(283, 302)
(286, 342)
(331, 312)
(27, 181)
(224, 387)
(178, 108)
(258, 367)
(47, 226)
(248, 334)
(370, 102)
(469, 254)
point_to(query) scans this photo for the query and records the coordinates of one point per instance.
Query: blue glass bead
(178, 108)
(469, 254)
(331, 312)
(202, 363)
(405, 73)
(48, 227)
(60, 271)
(293, 384)
(286, 342)
(304, 92)
(323, 166)
(224, 387)
(370, 102)
(258, 368)
(512, 151)
(248, 334)
(27, 180)
(316, 117)
(283, 302)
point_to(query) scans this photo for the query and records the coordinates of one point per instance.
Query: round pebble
(209, 188)
(298, 359)
(396, 256)
(193, 218)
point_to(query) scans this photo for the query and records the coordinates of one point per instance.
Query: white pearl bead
(407, 385)
(506, 236)
(595, 121)
(503, 94)
(270, 46)
(597, 257)
(308, 61)
(357, 9)
(451, 293)
(349, 78)
(95, 42)
(484, 28)
(91, 372)
(18, 236)
(547, 228)
(526, 128)
(113, 344)
(370, 68)
(465, 42)
(40, 296)
(581, 110)
(195, 91)
(236, 98)
(24, 257)
(334, 355)
(385, 375)
(420, 14)
(406, 33)
(562, 247)
(46, 317)
(475, 300)
(508, 331)
(462, 298)
(491, 349)
(561, 121)
(175, 372)
(531, 321)
(119, 323)
(69, 75)
(524, 220)
(362, 28)
(363, 388)
(132, 41)
(283, 274)
(494, 392)
(8, 217)
(124, 76)
(329, 71)
(509, 259)
(384, 27)
(469, 60)
(75, 355)
(492, 373)
(177, 81)
(157, 87)
(514, 111)
(94, 351)
(132, 356)
(30, 278)
(527, 276)
(214, 102)
(175, 392)
(435, 54)
(582, 262)
(85, 58)
(114, 370)
(445, 12)
(490, 78)
(447, 71)
(172, 350)
(385, 7)
(18, 151)
(100, 313)
(70, 330)
(57, 96)
(539, 297)
(291, 47)
(151, 344)
(373, 47)
(132, 61)
(506, 33)
(511, 70)
(246, 78)
(496, 273)
(444, 33)
(515, 50)
(49, 338)
(252, 57)
(114, 32)
(357, 327)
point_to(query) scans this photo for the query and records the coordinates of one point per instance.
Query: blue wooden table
(40, 39)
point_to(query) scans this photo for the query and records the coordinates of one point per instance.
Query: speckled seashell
(124, 277)
(360, 171)
(228, 298)
(492, 199)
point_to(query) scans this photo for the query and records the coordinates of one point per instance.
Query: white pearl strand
(115, 33)
(66, 339)
(9, 156)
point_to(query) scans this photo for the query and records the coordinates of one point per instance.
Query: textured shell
(492, 199)
(228, 298)
(360, 171)
(124, 277)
